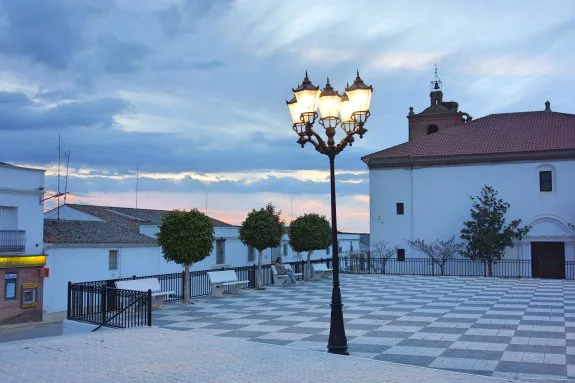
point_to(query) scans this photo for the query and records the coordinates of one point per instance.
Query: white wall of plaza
(437, 201)
(21, 192)
(81, 263)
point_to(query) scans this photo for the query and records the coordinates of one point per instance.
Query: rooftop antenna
(137, 182)
(67, 154)
(59, 155)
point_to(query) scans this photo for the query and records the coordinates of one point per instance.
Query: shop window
(10, 283)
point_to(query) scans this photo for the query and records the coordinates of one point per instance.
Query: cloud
(408, 60)
(19, 112)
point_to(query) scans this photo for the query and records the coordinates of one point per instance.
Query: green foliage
(309, 232)
(486, 234)
(262, 228)
(186, 237)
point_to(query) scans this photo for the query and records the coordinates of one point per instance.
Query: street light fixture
(351, 111)
(53, 196)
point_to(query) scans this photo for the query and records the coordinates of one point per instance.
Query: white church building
(422, 188)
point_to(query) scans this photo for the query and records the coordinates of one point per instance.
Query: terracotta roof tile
(494, 134)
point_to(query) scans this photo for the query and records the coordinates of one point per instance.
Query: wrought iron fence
(12, 241)
(101, 303)
(108, 306)
(505, 268)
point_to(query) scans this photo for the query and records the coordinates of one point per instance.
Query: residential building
(21, 252)
(422, 188)
(85, 242)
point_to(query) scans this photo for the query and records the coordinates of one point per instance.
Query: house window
(113, 260)
(220, 251)
(10, 283)
(285, 245)
(251, 254)
(401, 255)
(29, 294)
(399, 208)
(432, 129)
(276, 252)
(546, 181)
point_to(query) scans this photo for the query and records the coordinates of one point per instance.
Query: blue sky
(193, 92)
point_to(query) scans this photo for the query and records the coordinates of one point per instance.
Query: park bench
(320, 270)
(146, 284)
(280, 279)
(219, 280)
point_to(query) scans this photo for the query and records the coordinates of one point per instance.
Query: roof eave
(400, 162)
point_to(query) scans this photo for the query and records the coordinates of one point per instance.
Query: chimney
(547, 106)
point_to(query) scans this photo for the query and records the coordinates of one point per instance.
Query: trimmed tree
(308, 233)
(382, 251)
(439, 251)
(486, 234)
(186, 237)
(262, 229)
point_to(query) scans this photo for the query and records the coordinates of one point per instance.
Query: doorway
(548, 260)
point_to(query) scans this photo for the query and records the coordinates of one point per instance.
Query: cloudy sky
(193, 91)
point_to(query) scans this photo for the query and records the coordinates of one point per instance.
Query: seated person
(282, 270)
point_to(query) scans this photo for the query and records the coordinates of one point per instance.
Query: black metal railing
(505, 268)
(101, 303)
(12, 241)
(109, 306)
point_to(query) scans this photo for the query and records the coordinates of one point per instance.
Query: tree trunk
(442, 268)
(259, 273)
(490, 268)
(383, 263)
(308, 266)
(186, 283)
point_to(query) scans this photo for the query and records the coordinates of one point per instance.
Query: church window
(399, 208)
(401, 255)
(545, 181)
(432, 129)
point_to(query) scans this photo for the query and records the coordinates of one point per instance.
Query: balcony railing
(12, 241)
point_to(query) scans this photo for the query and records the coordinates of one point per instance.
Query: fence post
(184, 285)
(69, 300)
(104, 304)
(368, 263)
(149, 307)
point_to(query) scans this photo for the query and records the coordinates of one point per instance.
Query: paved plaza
(510, 328)
(154, 355)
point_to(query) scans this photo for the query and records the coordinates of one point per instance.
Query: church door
(548, 260)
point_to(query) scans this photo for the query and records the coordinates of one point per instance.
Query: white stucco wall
(437, 202)
(23, 189)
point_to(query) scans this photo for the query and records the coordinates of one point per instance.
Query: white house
(422, 188)
(86, 243)
(21, 250)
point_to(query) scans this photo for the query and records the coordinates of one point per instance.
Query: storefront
(21, 280)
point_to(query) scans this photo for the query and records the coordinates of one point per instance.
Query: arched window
(432, 129)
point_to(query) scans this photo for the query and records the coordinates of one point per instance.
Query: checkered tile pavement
(511, 328)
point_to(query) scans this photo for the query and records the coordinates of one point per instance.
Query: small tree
(439, 251)
(262, 229)
(186, 237)
(382, 251)
(308, 233)
(486, 234)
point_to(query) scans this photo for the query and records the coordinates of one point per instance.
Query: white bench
(282, 279)
(146, 284)
(320, 270)
(219, 280)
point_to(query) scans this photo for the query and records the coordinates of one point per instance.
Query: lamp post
(351, 111)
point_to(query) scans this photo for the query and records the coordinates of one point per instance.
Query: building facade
(422, 188)
(21, 244)
(86, 243)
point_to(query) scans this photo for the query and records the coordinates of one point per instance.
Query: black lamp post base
(338, 350)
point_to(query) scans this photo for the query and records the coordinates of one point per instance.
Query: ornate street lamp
(351, 111)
